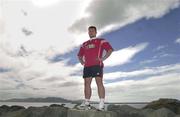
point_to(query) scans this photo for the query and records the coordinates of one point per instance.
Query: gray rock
(55, 112)
(16, 108)
(5, 109)
(38, 112)
(172, 104)
(154, 109)
(57, 105)
(12, 114)
(31, 112)
(90, 113)
(125, 111)
(177, 116)
(147, 111)
(163, 112)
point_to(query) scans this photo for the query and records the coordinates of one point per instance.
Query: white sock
(102, 100)
(101, 103)
(87, 101)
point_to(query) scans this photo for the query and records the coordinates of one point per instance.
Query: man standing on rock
(91, 56)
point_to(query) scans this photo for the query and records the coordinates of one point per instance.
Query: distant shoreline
(61, 100)
(67, 104)
(77, 102)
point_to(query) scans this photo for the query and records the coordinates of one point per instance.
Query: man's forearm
(107, 54)
(81, 60)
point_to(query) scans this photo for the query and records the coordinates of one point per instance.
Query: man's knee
(100, 84)
(87, 84)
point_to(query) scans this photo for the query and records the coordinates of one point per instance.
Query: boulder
(171, 104)
(16, 108)
(146, 112)
(162, 112)
(38, 112)
(5, 109)
(177, 116)
(90, 113)
(55, 112)
(159, 108)
(57, 105)
(125, 111)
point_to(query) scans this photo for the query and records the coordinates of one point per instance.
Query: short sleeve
(81, 51)
(106, 45)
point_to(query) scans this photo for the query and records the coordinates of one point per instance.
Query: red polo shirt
(92, 51)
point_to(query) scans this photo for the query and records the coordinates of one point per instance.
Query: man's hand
(105, 57)
(82, 63)
(81, 60)
(99, 59)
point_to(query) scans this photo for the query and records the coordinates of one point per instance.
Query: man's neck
(92, 38)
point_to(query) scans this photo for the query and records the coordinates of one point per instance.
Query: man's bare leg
(87, 93)
(87, 87)
(101, 89)
(101, 92)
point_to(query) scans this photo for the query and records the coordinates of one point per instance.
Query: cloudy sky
(39, 41)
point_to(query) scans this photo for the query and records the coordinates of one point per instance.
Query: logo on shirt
(90, 46)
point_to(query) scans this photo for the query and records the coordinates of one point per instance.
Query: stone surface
(90, 113)
(159, 108)
(38, 112)
(172, 104)
(177, 116)
(146, 112)
(125, 111)
(163, 112)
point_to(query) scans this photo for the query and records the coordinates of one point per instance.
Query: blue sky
(144, 66)
(160, 33)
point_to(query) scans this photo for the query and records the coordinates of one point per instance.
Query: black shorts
(93, 71)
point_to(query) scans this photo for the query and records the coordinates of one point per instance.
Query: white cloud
(33, 74)
(124, 55)
(48, 26)
(152, 88)
(148, 61)
(30, 74)
(143, 72)
(162, 55)
(1, 20)
(109, 15)
(177, 41)
(45, 3)
(158, 82)
(161, 47)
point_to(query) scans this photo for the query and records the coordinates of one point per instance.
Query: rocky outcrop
(171, 104)
(162, 112)
(157, 108)
(125, 111)
(90, 113)
(5, 109)
(53, 111)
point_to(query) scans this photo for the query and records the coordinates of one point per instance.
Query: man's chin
(92, 36)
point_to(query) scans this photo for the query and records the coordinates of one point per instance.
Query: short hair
(92, 27)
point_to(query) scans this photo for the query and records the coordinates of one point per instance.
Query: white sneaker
(101, 106)
(85, 105)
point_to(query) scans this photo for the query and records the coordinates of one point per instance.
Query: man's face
(92, 32)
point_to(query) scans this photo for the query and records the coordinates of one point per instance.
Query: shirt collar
(92, 38)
